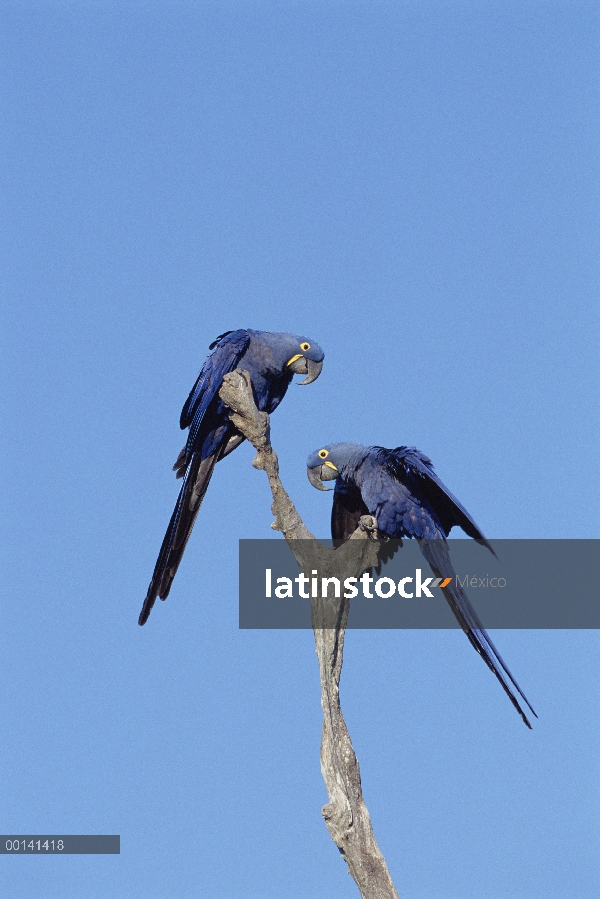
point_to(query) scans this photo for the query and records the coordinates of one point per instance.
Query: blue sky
(415, 185)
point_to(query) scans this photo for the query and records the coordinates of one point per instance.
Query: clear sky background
(413, 184)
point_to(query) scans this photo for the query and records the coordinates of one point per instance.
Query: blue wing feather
(227, 352)
(415, 470)
(397, 504)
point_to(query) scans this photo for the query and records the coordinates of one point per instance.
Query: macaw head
(336, 460)
(299, 355)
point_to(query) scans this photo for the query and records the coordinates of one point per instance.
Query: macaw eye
(323, 454)
(304, 347)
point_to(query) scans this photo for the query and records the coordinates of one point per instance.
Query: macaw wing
(219, 338)
(412, 468)
(226, 353)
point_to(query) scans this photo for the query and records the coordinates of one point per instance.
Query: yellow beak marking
(331, 465)
(293, 359)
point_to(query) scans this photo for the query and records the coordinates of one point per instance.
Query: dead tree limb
(346, 814)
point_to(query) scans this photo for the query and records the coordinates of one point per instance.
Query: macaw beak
(320, 473)
(300, 365)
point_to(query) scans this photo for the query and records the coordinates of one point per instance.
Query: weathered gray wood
(346, 814)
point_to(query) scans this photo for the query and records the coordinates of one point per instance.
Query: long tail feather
(193, 489)
(437, 554)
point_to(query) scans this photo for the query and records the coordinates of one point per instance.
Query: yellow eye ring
(323, 454)
(304, 347)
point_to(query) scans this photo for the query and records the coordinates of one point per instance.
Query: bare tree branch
(346, 814)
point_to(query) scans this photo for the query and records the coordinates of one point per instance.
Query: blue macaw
(272, 360)
(400, 488)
